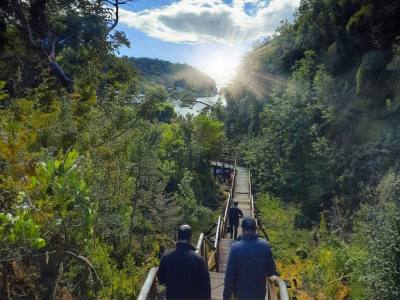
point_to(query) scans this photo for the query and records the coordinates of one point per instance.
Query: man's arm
(204, 280)
(161, 273)
(240, 213)
(230, 277)
(270, 268)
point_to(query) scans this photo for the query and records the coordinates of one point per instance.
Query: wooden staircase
(241, 194)
(215, 246)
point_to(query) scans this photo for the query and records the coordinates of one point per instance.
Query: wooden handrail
(148, 287)
(252, 206)
(249, 184)
(216, 243)
(217, 233)
(273, 282)
(251, 197)
(199, 242)
(226, 211)
(260, 226)
(230, 197)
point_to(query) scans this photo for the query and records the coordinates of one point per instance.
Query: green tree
(207, 137)
(377, 238)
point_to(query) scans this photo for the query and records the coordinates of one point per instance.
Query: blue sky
(211, 35)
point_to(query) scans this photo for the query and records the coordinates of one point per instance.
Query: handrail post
(205, 251)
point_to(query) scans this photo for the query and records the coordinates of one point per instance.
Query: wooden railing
(216, 243)
(223, 220)
(228, 204)
(251, 197)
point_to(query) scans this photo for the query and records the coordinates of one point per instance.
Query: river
(197, 108)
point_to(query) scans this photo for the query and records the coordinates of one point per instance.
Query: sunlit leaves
(20, 230)
(189, 211)
(3, 94)
(208, 137)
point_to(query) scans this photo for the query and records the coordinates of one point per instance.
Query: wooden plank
(224, 249)
(217, 285)
(211, 261)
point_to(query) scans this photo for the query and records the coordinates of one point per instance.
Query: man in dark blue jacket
(235, 213)
(250, 262)
(183, 271)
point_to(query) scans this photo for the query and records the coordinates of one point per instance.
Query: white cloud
(197, 21)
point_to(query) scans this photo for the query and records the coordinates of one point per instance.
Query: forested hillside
(92, 182)
(175, 76)
(318, 108)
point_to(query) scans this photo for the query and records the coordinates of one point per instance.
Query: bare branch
(57, 70)
(19, 12)
(84, 259)
(127, 128)
(116, 20)
(116, 5)
(204, 103)
(59, 275)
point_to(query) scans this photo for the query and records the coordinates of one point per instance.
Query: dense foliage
(95, 172)
(319, 110)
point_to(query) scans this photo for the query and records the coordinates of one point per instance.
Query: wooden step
(224, 249)
(217, 285)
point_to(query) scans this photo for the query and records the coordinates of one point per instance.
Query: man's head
(249, 225)
(184, 233)
(235, 203)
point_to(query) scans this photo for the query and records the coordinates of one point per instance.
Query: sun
(220, 64)
(220, 67)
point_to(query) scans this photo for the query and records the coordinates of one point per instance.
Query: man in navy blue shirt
(183, 271)
(250, 262)
(235, 213)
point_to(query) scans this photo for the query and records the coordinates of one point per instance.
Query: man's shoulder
(242, 243)
(173, 252)
(197, 256)
(263, 244)
(262, 241)
(168, 253)
(237, 245)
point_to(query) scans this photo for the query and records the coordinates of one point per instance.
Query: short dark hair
(235, 203)
(249, 223)
(184, 232)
